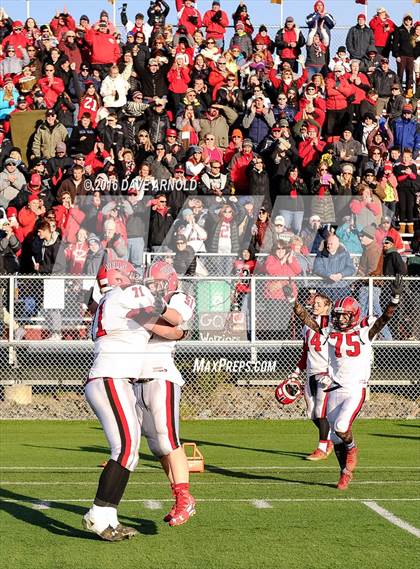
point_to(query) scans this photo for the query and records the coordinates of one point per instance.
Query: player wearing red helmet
(125, 317)
(158, 393)
(349, 354)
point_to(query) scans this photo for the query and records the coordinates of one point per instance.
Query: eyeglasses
(50, 70)
(279, 224)
(215, 166)
(376, 153)
(323, 170)
(231, 79)
(221, 62)
(162, 201)
(210, 42)
(180, 243)
(210, 138)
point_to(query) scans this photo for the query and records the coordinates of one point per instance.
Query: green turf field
(260, 505)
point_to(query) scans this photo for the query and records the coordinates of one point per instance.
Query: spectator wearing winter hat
(17, 38)
(359, 39)
(11, 63)
(70, 48)
(407, 131)
(403, 51)
(320, 18)
(383, 28)
(217, 121)
(241, 15)
(238, 167)
(288, 41)
(94, 255)
(383, 79)
(258, 120)
(8, 97)
(340, 57)
(384, 230)
(11, 182)
(139, 25)
(242, 40)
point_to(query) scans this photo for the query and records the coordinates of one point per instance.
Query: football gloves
(396, 289)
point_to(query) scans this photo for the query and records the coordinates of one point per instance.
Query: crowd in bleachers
(171, 138)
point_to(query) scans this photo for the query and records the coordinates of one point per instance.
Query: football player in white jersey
(349, 354)
(158, 393)
(126, 315)
(314, 359)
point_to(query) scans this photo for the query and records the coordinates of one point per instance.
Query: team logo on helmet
(288, 391)
(346, 306)
(162, 277)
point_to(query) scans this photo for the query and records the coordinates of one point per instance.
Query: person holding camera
(139, 25)
(62, 23)
(157, 14)
(188, 15)
(216, 21)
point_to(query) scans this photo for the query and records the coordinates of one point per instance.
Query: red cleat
(184, 509)
(345, 479)
(351, 459)
(318, 454)
(330, 447)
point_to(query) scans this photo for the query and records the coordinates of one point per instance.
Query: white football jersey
(159, 363)
(120, 341)
(315, 347)
(350, 353)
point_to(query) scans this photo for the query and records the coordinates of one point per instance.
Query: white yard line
(153, 504)
(222, 500)
(208, 468)
(389, 516)
(261, 504)
(233, 483)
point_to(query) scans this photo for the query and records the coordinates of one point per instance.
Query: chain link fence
(241, 346)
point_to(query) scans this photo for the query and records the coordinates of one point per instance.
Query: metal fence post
(252, 309)
(370, 296)
(11, 307)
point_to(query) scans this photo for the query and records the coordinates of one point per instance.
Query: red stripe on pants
(362, 400)
(169, 414)
(324, 407)
(123, 420)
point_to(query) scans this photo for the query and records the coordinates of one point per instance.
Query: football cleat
(351, 459)
(318, 454)
(344, 481)
(109, 534)
(170, 514)
(184, 509)
(330, 448)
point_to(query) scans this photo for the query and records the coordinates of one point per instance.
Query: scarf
(261, 229)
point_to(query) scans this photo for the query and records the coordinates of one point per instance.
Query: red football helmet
(349, 306)
(288, 391)
(162, 276)
(115, 273)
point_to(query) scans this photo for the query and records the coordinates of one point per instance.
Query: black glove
(396, 289)
(160, 305)
(193, 20)
(288, 292)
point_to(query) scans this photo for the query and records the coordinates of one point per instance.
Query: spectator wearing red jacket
(62, 23)
(382, 27)
(178, 77)
(310, 150)
(216, 21)
(238, 168)
(338, 90)
(386, 230)
(29, 215)
(105, 50)
(69, 217)
(51, 86)
(188, 15)
(361, 86)
(17, 39)
(69, 47)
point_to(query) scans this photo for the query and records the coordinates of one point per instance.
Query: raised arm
(396, 290)
(299, 309)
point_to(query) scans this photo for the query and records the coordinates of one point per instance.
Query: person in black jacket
(49, 258)
(157, 14)
(290, 203)
(83, 136)
(403, 51)
(185, 262)
(154, 78)
(160, 223)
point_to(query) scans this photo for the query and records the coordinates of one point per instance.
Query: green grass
(308, 524)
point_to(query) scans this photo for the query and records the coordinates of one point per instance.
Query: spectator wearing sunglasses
(160, 224)
(17, 39)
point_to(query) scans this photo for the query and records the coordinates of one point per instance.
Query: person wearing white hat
(383, 28)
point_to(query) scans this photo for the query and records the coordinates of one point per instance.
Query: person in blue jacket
(407, 131)
(334, 263)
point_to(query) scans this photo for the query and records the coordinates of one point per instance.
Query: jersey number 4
(352, 342)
